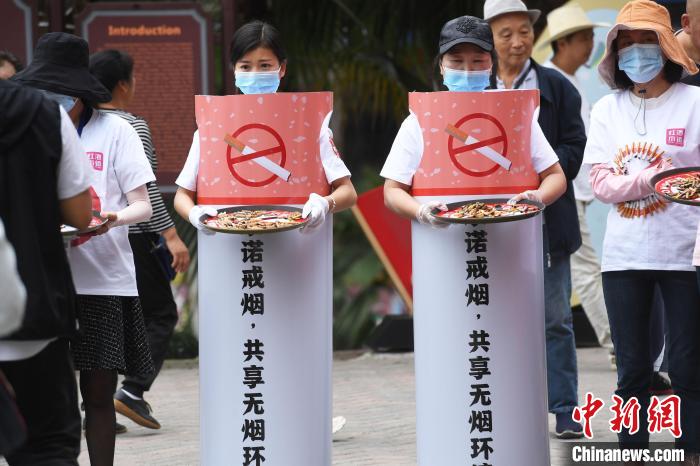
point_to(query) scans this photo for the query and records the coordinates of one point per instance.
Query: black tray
(72, 231)
(254, 207)
(665, 174)
(478, 221)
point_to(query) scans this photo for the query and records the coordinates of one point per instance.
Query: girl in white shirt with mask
(260, 62)
(650, 124)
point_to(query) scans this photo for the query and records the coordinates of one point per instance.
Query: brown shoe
(137, 410)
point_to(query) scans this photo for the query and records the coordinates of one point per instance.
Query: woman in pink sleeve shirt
(651, 123)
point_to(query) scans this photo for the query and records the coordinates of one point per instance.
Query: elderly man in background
(560, 120)
(571, 39)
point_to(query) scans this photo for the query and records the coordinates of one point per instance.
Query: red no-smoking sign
(274, 149)
(478, 157)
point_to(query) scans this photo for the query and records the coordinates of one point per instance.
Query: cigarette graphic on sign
(261, 160)
(478, 146)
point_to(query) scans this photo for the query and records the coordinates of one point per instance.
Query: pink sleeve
(138, 210)
(612, 188)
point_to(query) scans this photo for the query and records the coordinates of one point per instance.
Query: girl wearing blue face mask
(651, 123)
(259, 63)
(465, 61)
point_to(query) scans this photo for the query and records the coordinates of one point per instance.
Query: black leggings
(97, 388)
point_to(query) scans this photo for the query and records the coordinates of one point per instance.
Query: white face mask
(258, 82)
(641, 62)
(466, 81)
(65, 101)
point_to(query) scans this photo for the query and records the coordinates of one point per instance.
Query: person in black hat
(466, 59)
(43, 183)
(112, 336)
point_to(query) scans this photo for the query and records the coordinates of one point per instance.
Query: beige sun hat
(495, 8)
(566, 20)
(647, 15)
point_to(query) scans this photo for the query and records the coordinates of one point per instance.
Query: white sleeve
(597, 150)
(130, 163)
(406, 152)
(542, 154)
(73, 169)
(333, 165)
(188, 176)
(11, 288)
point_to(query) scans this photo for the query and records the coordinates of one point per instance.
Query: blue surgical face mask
(466, 81)
(258, 82)
(641, 62)
(65, 101)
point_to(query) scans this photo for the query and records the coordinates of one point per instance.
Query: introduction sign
(171, 44)
(18, 28)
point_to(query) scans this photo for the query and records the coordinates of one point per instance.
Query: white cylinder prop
(265, 374)
(265, 301)
(481, 392)
(478, 293)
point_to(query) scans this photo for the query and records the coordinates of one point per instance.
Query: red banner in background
(390, 236)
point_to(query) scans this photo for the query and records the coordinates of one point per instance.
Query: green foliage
(369, 52)
(183, 343)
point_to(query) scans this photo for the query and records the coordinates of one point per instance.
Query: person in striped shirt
(114, 69)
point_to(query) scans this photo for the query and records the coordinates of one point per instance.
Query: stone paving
(375, 392)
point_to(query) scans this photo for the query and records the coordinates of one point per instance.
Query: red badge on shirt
(675, 137)
(96, 160)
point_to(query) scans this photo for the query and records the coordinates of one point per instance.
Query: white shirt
(407, 151)
(582, 187)
(11, 288)
(664, 240)
(530, 81)
(72, 179)
(333, 165)
(104, 265)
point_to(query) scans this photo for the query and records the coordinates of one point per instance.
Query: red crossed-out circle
(455, 151)
(233, 158)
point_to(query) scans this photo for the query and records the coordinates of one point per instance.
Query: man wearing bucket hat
(112, 337)
(560, 119)
(571, 38)
(648, 243)
(44, 182)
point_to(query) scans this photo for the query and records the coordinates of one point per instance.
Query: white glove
(196, 213)
(425, 217)
(315, 209)
(531, 195)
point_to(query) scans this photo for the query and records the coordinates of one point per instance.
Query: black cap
(60, 65)
(466, 29)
